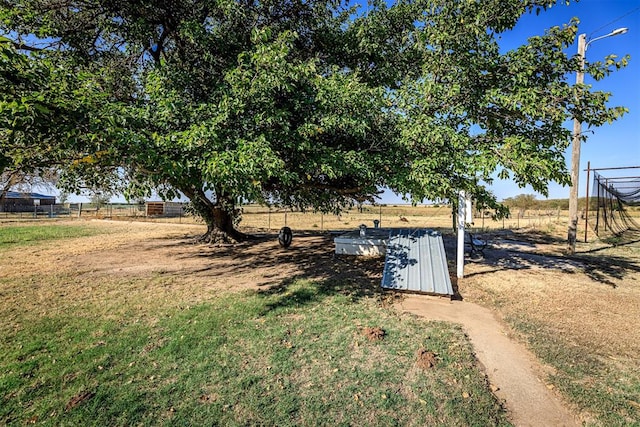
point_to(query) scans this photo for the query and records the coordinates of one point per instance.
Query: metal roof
(416, 261)
(17, 195)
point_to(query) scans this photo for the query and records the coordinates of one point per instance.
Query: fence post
(586, 215)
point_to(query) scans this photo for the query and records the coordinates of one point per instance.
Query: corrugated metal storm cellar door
(416, 261)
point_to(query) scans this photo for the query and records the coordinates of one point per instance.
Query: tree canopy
(308, 104)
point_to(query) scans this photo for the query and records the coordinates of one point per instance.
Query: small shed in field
(168, 209)
(14, 201)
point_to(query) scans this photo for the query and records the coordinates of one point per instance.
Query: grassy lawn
(95, 342)
(12, 236)
(110, 353)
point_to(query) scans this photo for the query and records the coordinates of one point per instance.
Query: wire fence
(271, 219)
(151, 210)
(396, 216)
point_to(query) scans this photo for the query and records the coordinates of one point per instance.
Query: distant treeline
(529, 201)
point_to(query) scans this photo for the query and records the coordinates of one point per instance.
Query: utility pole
(575, 155)
(575, 144)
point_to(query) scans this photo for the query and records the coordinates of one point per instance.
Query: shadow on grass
(290, 293)
(274, 269)
(264, 264)
(510, 250)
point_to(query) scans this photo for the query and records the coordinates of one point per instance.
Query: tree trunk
(218, 216)
(220, 228)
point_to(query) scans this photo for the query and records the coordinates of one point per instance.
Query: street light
(575, 148)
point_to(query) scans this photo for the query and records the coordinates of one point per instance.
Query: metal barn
(14, 201)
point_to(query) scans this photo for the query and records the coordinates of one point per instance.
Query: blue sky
(611, 145)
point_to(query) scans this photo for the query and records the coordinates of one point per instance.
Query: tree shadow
(608, 267)
(274, 270)
(397, 261)
(536, 250)
(613, 245)
(289, 292)
(262, 264)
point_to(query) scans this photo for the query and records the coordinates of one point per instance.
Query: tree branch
(23, 46)
(155, 53)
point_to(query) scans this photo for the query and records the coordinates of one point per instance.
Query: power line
(614, 21)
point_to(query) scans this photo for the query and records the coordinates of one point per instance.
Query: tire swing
(285, 236)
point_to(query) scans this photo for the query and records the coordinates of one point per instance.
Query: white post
(461, 218)
(468, 210)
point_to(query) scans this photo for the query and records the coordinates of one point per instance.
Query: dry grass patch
(576, 313)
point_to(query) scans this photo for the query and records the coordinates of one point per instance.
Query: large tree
(48, 118)
(306, 104)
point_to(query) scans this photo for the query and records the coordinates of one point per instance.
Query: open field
(132, 323)
(264, 219)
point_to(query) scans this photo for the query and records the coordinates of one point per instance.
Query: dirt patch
(208, 398)
(78, 400)
(258, 263)
(425, 359)
(147, 265)
(374, 334)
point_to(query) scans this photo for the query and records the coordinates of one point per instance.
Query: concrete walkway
(510, 367)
